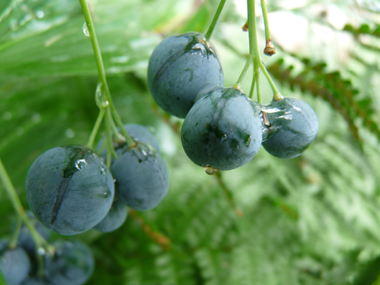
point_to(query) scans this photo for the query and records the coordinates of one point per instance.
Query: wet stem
(110, 113)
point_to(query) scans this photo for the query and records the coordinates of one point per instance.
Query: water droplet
(106, 194)
(143, 152)
(70, 133)
(80, 164)
(103, 171)
(40, 251)
(210, 171)
(40, 14)
(99, 97)
(85, 30)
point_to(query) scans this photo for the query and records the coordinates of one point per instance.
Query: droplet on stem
(85, 30)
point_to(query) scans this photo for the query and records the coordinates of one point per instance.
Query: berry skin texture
(178, 69)
(69, 189)
(293, 126)
(222, 130)
(72, 263)
(14, 263)
(114, 219)
(142, 178)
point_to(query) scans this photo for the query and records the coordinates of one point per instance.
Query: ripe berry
(69, 189)
(222, 130)
(72, 263)
(142, 179)
(14, 263)
(178, 69)
(292, 126)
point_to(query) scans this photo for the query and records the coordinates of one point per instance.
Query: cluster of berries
(72, 262)
(223, 128)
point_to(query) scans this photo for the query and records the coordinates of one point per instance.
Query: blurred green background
(310, 220)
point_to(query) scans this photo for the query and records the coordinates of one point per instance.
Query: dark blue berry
(72, 263)
(142, 179)
(222, 130)
(69, 189)
(291, 125)
(14, 263)
(178, 69)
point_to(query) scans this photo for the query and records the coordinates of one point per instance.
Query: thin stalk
(110, 148)
(228, 194)
(276, 94)
(253, 85)
(244, 71)
(269, 48)
(16, 233)
(156, 236)
(116, 132)
(258, 88)
(39, 241)
(253, 45)
(215, 19)
(96, 128)
(101, 72)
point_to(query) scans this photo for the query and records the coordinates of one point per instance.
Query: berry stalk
(253, 45)
(276, 94)
(244, 71)
(40, 241)
(96, 128)
(269, 47)
(215, 19)
(101, 72)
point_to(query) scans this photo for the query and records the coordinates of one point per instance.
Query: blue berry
(142, 179)
(72, 263)
(114, 219)
(14, 263)
(178, 69)
(69, 189)
(222, 130)
(291, 126)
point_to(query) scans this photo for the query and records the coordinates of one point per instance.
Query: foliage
(310, 220)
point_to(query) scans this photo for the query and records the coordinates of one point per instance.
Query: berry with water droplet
(65, 189)
(178, 69)
(292, 126)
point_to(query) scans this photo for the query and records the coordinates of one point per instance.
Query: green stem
(215, 20)
(253, 45)
(40, 242)
(244, 71)
(101, 72)
(269, 47)
(276, 94)
(266, 22)
(116, 132)
(109, 142)
(96, 128)
(16, 233)
(253, 85)
(258, 88)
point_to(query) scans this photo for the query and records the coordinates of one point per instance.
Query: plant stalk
(101, 72)
(215, 19)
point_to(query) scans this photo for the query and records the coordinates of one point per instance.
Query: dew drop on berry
(80, 164)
